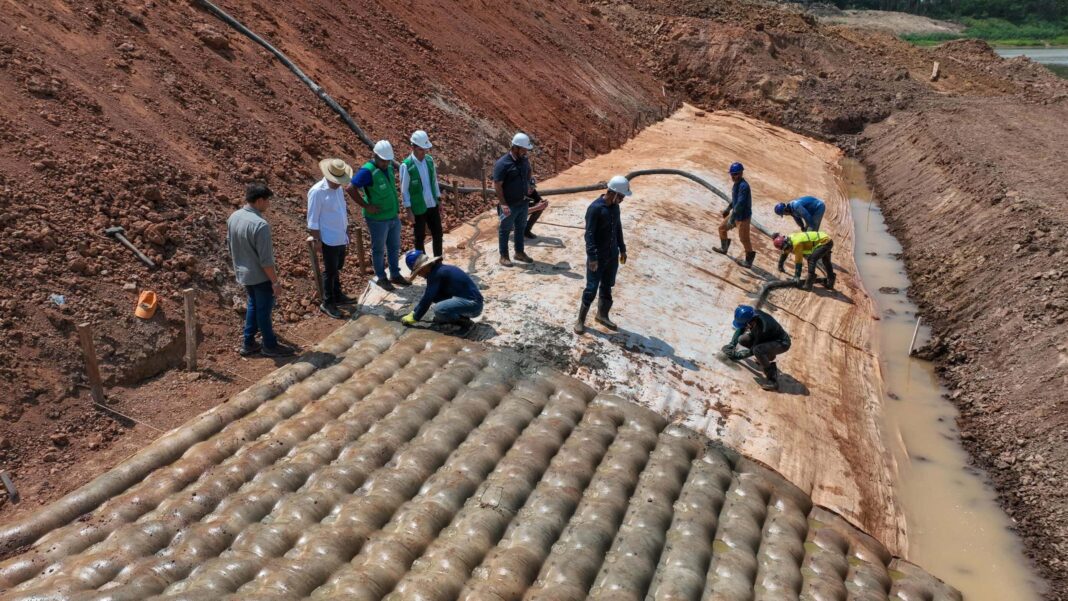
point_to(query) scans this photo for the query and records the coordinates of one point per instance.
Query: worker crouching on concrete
(420, 192)
(762, 338)
(816, 246)
(739, 213)
(379, 199)
(605, 250)
(807, 211)
(452, 293)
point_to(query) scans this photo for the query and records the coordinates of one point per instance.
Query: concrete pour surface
(675, 300)
(411, 465)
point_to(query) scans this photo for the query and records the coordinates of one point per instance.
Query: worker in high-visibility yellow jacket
(815, 246)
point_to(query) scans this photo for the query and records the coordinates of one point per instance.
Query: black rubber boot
(580, 323)
(724, 245)
(772, 374)
(749, 258)
(602, 316)
(830, 281)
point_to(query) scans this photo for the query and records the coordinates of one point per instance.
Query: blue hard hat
(736, 168)
(411, 257)
(743, 315)
(780, 209)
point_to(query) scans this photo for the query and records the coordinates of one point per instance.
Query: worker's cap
(620, 185)
(522, 140)
(384, 150)
(736, 168)
(743, 315)
(417, 261)
(336, 170)
(421, 139)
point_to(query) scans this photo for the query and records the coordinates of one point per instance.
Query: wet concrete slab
(675, 300)
(410, 465)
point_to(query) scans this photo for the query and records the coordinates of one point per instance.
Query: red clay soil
(153, 116)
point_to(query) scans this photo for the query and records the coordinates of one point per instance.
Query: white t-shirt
(328, 213)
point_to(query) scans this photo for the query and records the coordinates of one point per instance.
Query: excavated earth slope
(399, 465)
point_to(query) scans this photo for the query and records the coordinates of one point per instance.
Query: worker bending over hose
(817, 246)
(762, 338)
(807, 212)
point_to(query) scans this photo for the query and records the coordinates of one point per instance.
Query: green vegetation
(999, 32)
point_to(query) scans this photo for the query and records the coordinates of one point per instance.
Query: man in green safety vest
(420, 193)
(374, 188)
(816, 246)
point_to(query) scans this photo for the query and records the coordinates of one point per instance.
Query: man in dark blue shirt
(605, 250)
(453, 294)
(738, 213)
(511, 181)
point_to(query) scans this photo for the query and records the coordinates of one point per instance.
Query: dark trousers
(765, 352)
(333, 261)
(822, 254)
(258, 315)
(532, 217)
(600, 282)
(432, 220)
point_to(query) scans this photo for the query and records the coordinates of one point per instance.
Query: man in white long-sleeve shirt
(328, 223)
(420, 192)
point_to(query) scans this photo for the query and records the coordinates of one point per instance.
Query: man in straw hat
(605, 250)
(328, 223)
(420, 192)
(454, 296)
(378, 196)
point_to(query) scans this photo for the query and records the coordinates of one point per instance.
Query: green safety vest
(382, 193)
(415, 183)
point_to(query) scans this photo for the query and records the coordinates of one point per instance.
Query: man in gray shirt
(249, 237)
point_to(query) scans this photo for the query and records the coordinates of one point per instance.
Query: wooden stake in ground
(361, 252)
(9, 484)
(92, 368)
(190, 328)
(482, 162)
(914, 333)
(315, 271)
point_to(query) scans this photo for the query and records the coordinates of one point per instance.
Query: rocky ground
(153, 116)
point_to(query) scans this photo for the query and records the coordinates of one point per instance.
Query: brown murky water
(956, 529)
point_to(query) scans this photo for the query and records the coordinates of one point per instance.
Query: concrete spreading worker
(816, 246)
(738, 213)
(449, 291)
(420, 192)
(605, 250)
(807, 211)
(248, 235)
(762, 338)
(328, 224)
(377, 194)
(511, 181)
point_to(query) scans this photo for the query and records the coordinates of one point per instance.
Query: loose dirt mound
(153, 116)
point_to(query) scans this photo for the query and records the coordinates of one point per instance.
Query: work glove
(593, 265)
(726, 212)
(622, 258)
(409, 319)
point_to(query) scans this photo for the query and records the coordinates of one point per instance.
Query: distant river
(1054, 58)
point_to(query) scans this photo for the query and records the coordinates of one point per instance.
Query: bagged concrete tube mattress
(417, 466)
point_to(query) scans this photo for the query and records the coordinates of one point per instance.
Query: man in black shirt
(762, 338)
(511, 181)
(605, 250)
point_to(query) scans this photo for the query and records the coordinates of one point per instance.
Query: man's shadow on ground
(787, 383)
(651, 346)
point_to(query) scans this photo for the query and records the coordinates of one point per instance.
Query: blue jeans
(258, 315)
(600, 281)
(452, 309)
(516, 221)
(385, 239)
(817, 218)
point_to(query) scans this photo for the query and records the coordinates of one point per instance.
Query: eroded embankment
(977, 197)
(409, 465)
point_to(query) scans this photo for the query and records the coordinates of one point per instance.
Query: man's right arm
(314, 210)
(264, 248)
(592, 221)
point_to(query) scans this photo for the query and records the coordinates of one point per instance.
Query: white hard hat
(384, 150)
(620, 185)
(522, 140)
(420, 139)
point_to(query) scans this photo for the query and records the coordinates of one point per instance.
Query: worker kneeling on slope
(762, 338)
(605, 250)
(807, 211)
(454, 296)
(817, 246)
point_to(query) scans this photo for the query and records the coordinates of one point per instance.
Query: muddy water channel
(956, 529)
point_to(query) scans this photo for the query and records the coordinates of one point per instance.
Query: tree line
(1015, 11)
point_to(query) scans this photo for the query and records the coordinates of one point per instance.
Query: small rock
(60, 440)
